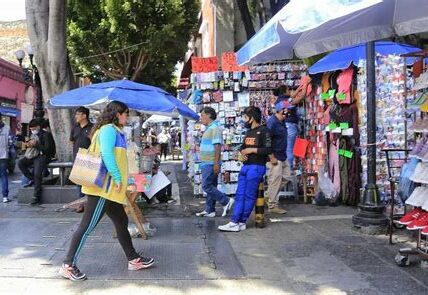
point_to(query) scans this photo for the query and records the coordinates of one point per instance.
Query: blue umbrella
(342, 58)
(140, 97)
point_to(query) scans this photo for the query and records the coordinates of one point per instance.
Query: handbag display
(88, 168)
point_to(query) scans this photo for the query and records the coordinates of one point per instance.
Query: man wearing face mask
(40, 151)
(254, 153)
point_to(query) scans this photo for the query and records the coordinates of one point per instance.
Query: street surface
(310, 250)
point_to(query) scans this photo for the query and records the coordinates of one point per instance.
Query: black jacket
(46, 144)
(259, 138)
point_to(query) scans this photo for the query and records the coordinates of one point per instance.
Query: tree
(139, 40)
(46, 29)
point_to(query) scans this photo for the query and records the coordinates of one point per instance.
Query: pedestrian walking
(40, 150)
(80, 138)
(277, 166)
(254, 153)
(5, 138)
(164, 139)
(109, 140)
(210, 149)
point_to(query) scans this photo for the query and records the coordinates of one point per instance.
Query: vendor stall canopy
(343, 58)
(137, 96)
(310, 27)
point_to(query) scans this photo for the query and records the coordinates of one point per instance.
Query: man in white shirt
(164, 138)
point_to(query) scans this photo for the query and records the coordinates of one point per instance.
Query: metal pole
(370, 209)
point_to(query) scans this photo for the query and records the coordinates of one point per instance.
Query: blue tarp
(342, 58)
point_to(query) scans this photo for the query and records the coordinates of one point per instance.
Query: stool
(294, 189)
(309, 190)
(134, 211)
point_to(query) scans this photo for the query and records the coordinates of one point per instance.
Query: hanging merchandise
(229, 93)
(390, 114)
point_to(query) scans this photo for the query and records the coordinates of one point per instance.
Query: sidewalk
(310, 250)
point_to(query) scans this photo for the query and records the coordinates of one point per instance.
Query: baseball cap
(283, 104)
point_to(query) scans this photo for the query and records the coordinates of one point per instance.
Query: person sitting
(165, 194)
(40, 151)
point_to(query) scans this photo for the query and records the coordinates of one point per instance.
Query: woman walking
(108, 139)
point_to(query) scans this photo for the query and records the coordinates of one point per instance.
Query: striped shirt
(213, 135)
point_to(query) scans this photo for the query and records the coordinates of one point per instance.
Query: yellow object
(108, 190)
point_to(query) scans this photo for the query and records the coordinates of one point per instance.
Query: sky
(12, 10)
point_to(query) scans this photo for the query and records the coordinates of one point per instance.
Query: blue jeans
(209, 185)
(3, 178)
(248, 183)
(291, 139)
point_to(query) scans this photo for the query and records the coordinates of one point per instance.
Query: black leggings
(94, 211)
(164, 149)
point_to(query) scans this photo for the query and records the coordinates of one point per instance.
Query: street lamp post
(39, 112)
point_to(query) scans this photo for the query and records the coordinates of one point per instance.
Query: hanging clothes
(333, 164)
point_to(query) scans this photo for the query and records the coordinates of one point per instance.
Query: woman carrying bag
(109, 141)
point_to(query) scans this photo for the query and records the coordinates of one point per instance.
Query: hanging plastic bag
(326, 186)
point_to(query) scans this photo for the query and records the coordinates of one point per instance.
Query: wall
(225, 26)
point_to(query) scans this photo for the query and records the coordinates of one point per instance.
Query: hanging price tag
(341, 152)
(348, 154)
(344, 125)
(332, 126)
(341, 96)
(325, 96)
(331, 93)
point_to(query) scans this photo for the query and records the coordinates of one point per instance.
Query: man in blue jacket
(277, 166)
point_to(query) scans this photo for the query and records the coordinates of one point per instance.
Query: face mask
(247, 124)
(34, 132)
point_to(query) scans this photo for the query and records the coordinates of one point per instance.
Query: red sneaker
(410, 216)
(425, 231)
(419, 223)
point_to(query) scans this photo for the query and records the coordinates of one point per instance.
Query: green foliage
(161, 27)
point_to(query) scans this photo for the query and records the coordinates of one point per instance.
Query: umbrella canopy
(311, 27)
(158, 119)
(136, 96)
(342, 58)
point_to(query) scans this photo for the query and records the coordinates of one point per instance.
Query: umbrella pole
(370, 211)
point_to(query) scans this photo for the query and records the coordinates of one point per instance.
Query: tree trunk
(246, 18)
(46, 24)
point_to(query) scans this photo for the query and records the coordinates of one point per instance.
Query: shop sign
(204, 64)
(229, 63)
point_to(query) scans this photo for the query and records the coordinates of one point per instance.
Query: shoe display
(71, 272)
(140, 263)
(419, 223)
(205, 214)
(277, 210)
(231, 226)
(425, 231)
(6, 200)
(228, 206)
(410, 216)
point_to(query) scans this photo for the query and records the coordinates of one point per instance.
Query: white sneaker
(242, 226)
(231, 226)
(205, 214)
(228, 206)
(6, 200)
